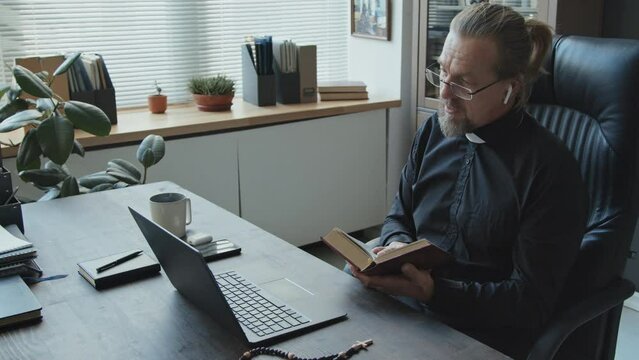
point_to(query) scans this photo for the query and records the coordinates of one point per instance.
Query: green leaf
(77, 148)
(66, 64)
(43, 75)
(29, 152)
(4, 89)
(102, 187)
(51, 194)
(69, 187)
(46, 104)
(20, 119)
(146, 159)
(43, 177)
(120, 185)
(88, 117)
(30, 83)
(122, 176)
(93, 180)
(151, 150)
(126, 167)
(61, 168)
(55, 136)
(13, 107)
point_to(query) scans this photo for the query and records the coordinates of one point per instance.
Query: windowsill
(185, 120)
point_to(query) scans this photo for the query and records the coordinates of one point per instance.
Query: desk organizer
(11, 213)
(256, 89)
(287, 85)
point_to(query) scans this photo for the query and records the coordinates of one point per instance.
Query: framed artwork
(371, 19)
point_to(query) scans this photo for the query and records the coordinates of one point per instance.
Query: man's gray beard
(450, 127)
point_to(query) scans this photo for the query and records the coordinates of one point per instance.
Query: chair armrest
(567, 321)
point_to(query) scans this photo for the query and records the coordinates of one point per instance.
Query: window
(170, 40)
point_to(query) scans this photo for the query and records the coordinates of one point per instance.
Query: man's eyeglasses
(462, 92)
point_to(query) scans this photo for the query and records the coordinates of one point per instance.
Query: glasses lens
(433, 77)
(460, 92)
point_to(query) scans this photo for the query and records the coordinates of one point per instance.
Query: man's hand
(413, 282)
(379, 250)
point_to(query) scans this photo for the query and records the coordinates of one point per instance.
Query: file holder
(256, 89)
(287, 85)
(103, 99)
(11, 213)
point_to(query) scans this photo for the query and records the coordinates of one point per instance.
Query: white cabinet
(296, 180)
(299, 180)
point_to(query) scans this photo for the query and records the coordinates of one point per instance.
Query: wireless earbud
(510, 91)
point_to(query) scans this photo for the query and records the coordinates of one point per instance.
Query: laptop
(259, 316)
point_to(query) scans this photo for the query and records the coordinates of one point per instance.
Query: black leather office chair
(590, 99)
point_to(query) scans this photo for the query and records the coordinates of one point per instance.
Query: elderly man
(485, 182)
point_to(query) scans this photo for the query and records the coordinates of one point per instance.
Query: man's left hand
(412, 282)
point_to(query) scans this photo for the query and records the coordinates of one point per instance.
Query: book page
(403, 250)
(351, 249)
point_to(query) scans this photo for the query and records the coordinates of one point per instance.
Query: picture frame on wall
(371, 19)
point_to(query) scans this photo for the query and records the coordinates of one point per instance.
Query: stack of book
(342, 90)
(17, 256)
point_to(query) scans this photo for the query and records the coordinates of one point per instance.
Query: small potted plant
(157, 101)
(212, 93)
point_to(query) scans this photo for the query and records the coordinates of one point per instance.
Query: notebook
(18, 304)
(137, 268)
(10, 243)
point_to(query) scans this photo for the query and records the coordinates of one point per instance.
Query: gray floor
(628, 339)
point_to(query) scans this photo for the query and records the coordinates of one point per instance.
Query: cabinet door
(301, 179)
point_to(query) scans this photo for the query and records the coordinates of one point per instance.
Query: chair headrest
(598, 77)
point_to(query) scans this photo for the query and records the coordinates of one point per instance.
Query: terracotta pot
(157, 104)
(213, 102)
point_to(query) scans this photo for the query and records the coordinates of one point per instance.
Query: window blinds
(169, 40)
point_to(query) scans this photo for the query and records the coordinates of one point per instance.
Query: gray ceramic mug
(172, 211)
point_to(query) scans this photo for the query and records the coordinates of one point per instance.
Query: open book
(420, 253)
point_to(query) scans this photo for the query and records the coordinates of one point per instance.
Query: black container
(287, 85)
(256, 89)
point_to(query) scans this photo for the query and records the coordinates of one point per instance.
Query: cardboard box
(48, 63)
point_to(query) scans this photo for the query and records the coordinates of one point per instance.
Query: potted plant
(157, 101)
(212, 93)
(51, 122)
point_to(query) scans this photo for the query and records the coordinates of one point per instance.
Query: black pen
(118, 261)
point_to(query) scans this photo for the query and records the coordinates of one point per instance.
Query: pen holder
(11, 213)
(287, 85)
(256, 89)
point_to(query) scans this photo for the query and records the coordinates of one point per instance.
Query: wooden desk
(149, 319)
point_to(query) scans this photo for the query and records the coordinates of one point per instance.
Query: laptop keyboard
(263, 316)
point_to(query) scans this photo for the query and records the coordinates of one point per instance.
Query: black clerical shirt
(509, 203)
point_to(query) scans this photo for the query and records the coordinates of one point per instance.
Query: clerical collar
(503, 128)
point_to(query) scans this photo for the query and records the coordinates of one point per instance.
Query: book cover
(18, 305)
(341, 86)
(344, 96)
(141, 266)
(420, 253)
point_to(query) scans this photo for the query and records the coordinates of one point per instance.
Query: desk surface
(185, 120)
(150, 319)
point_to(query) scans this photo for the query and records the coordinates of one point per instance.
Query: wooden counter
(183, 120)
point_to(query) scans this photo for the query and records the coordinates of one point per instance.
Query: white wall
(386, 67)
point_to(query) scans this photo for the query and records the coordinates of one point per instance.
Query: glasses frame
(456, 89)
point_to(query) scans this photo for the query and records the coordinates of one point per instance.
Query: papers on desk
(287, 57)
(10, 243)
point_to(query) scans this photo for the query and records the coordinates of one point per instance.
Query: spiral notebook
(9, 243)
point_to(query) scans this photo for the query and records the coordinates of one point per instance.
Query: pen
(118, 261)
